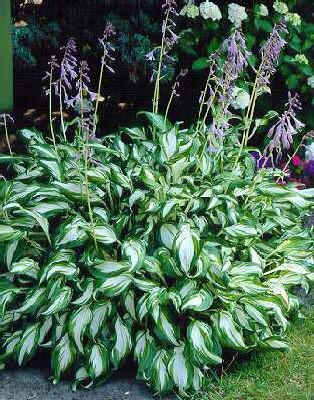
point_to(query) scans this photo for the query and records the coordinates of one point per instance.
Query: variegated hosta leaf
(229, 334)
(25, 266)
(63, 357)
(199, 335)
(134, 251)
(104, 234)
(61, 301)
(78, 323)
(200, 301)
(168, 233)
(167, 330)
(123, 343)
(107, 269)
(186, 245)
(144, 350)
(8, 234)
(180, 370)
(72, 234)
(99, 361)
(241, 231)
(159, 376)
(100, 313)
(116, 285)
(36, 298)
(28, 343)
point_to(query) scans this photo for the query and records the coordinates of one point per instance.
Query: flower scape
(167, 244)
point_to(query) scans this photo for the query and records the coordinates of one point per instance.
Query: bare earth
(31, 383)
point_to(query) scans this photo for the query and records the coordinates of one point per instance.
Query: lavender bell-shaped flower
(170, 37)
(108, 49)
(237, 55)
(270, 53)
(282, 132)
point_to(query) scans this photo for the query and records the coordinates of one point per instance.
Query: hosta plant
(160, 243)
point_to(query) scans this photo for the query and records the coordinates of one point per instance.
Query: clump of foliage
(162, 243)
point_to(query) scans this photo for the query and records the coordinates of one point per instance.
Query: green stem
(86, 164)
(7, 133)
(61, 111)
(98, 95)
(50, 109)
(162, 51)
(169, 104)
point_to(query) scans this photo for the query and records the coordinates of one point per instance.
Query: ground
(265, 376)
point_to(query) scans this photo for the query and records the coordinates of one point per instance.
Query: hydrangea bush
(161, 243)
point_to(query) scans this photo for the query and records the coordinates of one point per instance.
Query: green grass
(272, 375)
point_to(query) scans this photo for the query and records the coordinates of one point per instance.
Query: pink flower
(296, 161)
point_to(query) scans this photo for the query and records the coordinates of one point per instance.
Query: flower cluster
(270, 53)
(282, 132)
(281, 7)
(169, 39)
(66, 73)
(293, 18)
(263, 10)
(108, 49)
(190, 10)
(236, 14)
(209, 10)
(237, 55)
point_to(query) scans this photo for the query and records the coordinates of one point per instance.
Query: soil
(32, 383)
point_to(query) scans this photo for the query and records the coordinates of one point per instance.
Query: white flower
(263, 10)
(281, 7)
(310, 81)
(309, 152)
(236, 14)
(294, 19)
(241, 99)
(210, 10)
(190, 10)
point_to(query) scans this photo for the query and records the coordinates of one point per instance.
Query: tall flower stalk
(49, 74)
(270, 54)
(174, 92)
(85, 127)
(106, 60)
(169, 38)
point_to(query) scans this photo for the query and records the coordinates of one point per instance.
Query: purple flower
(261, 161)
(169, 6)
(108, 49)
(176, 84)
(288, 125)
(309, 168)
(219, 129)
(270, 53)
(151, 55)
(237, 55)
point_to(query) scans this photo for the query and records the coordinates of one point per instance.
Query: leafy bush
(159, 242)
(204, 33)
